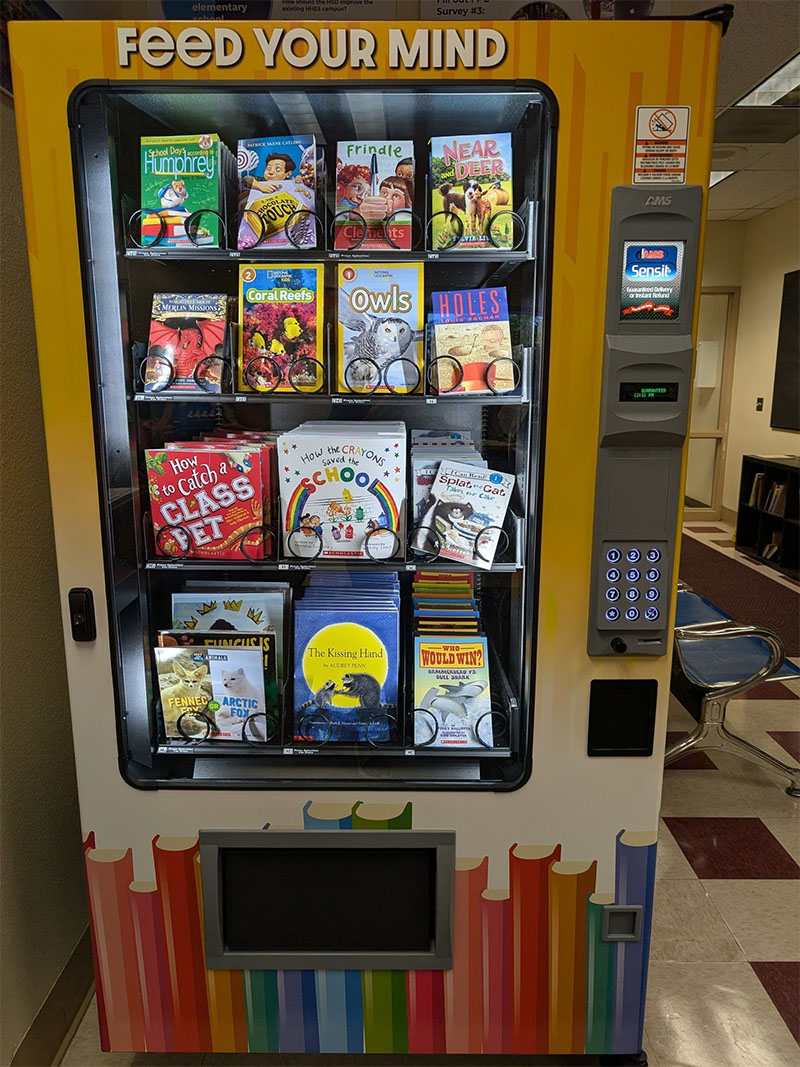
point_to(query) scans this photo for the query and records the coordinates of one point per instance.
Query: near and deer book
(471, 192)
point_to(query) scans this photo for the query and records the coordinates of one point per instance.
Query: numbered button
(612, 575)
(652, 594)
(651, 614)
(633, 574)
(653, 555)
(633, 555)
(613, 555)
(653, 574)
(632, 594)
(612, 614)
(612, 594)
(632, 614)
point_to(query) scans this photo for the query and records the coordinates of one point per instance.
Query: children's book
(186, 349)
(376, 180)
(206, 503)
(471, 185)
(184, 683)
(380, 346)
(182, 174)
(472, 338)
(343, 488)
(281, 328)
(277, 178)
(425, 466)
(465, 512)
(346, 646)
(451, 686)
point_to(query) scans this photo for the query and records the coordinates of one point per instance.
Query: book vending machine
(365, 407)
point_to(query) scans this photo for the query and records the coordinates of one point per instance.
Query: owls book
(281, 328)
(277, 187)
(380, 312)
(346, 663)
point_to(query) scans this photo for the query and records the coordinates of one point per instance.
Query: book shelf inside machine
(316, 323)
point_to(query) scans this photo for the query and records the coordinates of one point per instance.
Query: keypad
(630, 579)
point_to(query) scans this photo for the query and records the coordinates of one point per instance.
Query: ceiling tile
(718, 216)
(781, 198)
(750, 189)
(751, 213)
(757, 125)
(778, 157)
(738, 156)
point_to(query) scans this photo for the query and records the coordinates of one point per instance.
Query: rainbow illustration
(297, 503)
(387, 502)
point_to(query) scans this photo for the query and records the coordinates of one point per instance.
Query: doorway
(711, 401)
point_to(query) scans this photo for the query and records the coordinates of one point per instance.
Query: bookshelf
(768, 519)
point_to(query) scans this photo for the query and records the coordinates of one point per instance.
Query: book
(281, 322)
(220, 644)
(756, 490)
(375, 179)
(346, 648)
(463, 989)
(184, 683)
(206, 503)
(569, 886)
(182, 174)
(471, 179)
(472, 340)
(425, 458)
(343, 488)
(451, 683)
(277, 178)
(465, 513)
(380, 328)
(236, 609)
(187, 343)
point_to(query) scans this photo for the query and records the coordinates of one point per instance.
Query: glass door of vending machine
(317, 321)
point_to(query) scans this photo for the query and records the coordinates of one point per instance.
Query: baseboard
(55, 1019)
(729, 516)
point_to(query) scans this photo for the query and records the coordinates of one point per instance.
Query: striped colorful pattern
(530, 974)
(296, 504)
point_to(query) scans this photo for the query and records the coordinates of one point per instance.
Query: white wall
(42, 890)
(754, 255)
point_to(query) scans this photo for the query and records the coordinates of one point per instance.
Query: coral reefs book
(277, 188)
(472, 191)
(186, 349)
(375, 180)
(281, 329)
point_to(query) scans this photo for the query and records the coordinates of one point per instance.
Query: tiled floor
(724, 986)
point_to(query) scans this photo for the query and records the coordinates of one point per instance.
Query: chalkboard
(785, 414)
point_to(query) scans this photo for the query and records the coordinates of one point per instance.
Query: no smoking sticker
(662, 142)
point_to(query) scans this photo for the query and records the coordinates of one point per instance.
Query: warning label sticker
(662, 141)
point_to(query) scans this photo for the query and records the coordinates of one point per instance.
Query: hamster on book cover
(451, 683)
(471, 181)
(181, 174)
(346, 667)
(472, 337)
(342, 486)
(277, 177)
(380, 312)
(186, 331)
(210, 500)
(376, 180)
(281, 309)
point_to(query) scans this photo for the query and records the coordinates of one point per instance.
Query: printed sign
(651, 281)
(662, 141)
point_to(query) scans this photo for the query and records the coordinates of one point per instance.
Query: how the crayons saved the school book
(206, 504)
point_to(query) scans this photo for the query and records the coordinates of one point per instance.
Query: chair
(721, 659)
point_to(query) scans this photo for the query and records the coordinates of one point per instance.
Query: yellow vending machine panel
(371, 362)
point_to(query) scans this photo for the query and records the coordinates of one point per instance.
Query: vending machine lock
(81, 615)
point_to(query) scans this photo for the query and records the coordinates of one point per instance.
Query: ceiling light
(775, 87)
(718, 176)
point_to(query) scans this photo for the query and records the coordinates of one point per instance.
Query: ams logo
(658, 201)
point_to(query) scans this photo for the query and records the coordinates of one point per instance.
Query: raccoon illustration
(321, 698)
(362, 686)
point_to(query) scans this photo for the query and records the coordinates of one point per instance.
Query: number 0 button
(632, 614)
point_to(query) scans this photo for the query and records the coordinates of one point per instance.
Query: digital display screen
(652, 273)
(658, 392)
